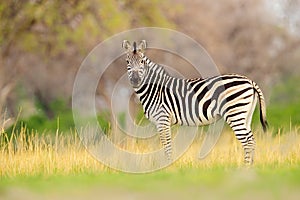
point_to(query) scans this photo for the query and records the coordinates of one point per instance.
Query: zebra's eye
(127, 61)
(142, 61)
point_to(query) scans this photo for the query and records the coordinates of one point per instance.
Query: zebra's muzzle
(135, 80)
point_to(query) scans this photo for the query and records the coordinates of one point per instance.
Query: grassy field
(34, 166)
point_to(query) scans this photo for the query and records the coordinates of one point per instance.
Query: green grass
(266, 182)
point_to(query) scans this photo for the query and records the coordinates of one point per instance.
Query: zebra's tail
(262, 107)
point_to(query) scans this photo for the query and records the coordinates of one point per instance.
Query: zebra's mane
(154, 66)
(134, 48)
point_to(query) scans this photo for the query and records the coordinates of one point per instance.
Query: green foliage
(283, 110)
(287, 91)
(50, 26)
(122, 120)
(140, 118)
(104, 121)
(62, 119)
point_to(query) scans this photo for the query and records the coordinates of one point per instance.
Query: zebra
(167, 100)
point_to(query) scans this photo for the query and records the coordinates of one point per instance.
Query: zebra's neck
(150, 90)
(156, 74)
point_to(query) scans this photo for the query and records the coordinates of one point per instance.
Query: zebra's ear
(126, 45)
(142, 45)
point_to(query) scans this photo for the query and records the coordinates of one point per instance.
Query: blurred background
(43, 43)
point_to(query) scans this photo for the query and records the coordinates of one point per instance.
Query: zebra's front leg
(164, 129)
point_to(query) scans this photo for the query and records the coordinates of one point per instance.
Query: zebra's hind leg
(244, 134)
(249, 148)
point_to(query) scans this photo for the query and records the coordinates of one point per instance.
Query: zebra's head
(136, 62)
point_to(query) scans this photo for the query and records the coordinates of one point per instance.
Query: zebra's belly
(195, 121)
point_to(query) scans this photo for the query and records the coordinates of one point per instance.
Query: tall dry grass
(28, 153)
(282, 149)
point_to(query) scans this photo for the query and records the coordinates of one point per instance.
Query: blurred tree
(241, 36)
(49, 26)
(44, 41)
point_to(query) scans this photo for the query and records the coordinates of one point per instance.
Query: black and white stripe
(167, 100)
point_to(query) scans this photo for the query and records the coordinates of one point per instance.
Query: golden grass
(278, 150)
(44, 155)
(33, 154)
